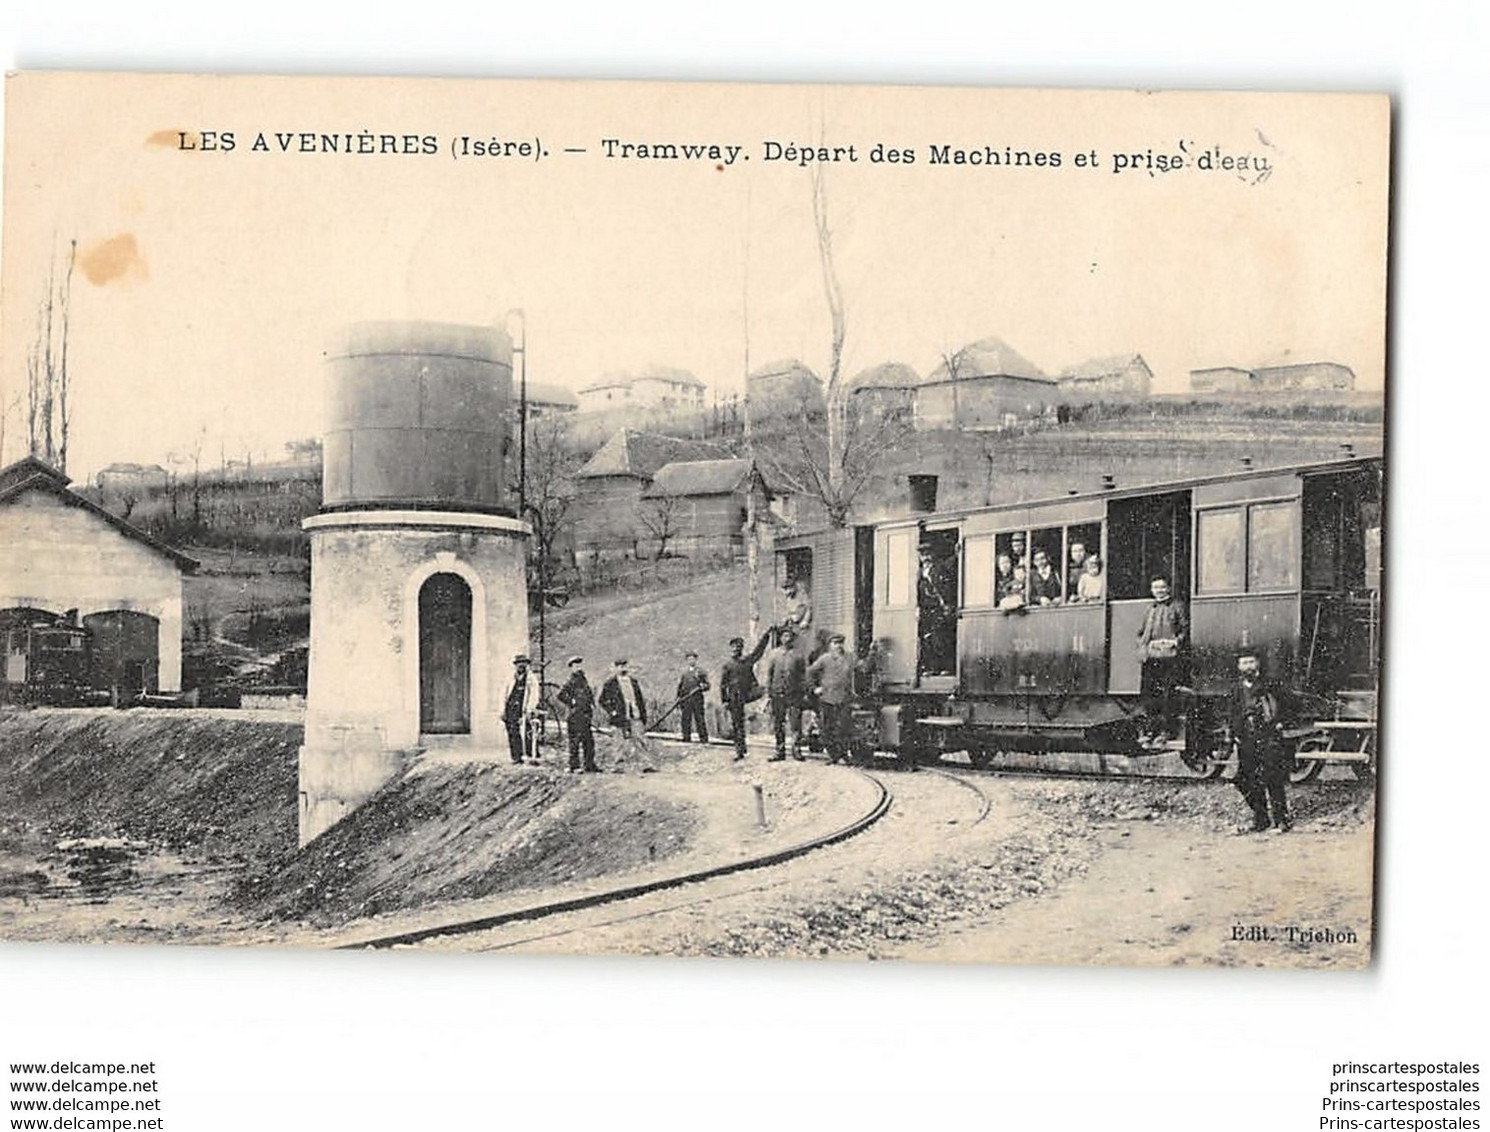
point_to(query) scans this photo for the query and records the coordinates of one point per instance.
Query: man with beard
(1263, 759)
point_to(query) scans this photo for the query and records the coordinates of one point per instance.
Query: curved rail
(643, 888)
(985, 801)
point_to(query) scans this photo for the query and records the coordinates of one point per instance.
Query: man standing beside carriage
(1163, 641)
(1263, 758)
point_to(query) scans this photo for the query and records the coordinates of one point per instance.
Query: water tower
(418, 579)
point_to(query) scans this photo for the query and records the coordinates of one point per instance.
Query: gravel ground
(964, 867)
(1058, 871)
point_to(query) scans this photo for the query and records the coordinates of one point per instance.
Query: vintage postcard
(692, 520)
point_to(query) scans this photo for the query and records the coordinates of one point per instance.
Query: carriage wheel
(1210, 762)
(1306, 769)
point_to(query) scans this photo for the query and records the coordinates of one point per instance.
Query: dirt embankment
(184, 782)
(189, 819)
(458, 832)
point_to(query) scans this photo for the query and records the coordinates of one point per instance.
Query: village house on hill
(698, 508)
(608, 490)
(987, 384)
(653, 387)
(61, 553)
(782, 388)
(888, 389)
(1328, 377)
(546, 400)
(137, 478)
(1123, 375)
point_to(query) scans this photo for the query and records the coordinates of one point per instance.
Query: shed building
(701, 505)
(60, 552)
(608, 490)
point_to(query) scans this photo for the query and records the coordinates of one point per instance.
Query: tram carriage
(1284, 562)
(46, 657)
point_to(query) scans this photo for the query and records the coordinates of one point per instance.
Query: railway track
(542, 911)
(688, 892)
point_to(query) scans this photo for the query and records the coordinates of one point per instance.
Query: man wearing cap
(621, 699)
(1163, 641)
(579, 698)
(832, 676)
(691, 688)
(519, 703)
(1263, 758)
(786, 682)
(738, 686)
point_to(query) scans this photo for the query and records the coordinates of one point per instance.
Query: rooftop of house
(988, 357)
(31, 474)
(1103, 366)
(624, 380)
(699, 477)
(642, 454)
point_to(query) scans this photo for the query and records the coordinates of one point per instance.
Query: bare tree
(661, 515)
(552, 463)
(6, 408)
(831, 454)
(48, 382)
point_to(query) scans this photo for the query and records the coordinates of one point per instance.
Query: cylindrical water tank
(417, 416)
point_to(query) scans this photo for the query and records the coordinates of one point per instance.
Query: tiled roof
(649, 373)
(988, 357)
(1102, 367)
(32, 475)
(699, 477)
(641, 454)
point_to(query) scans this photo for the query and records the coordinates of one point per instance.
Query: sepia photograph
(693, 520)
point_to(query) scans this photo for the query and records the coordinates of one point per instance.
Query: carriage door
(1148, 537)
(937, 572)
(445, 656)
(895, 609)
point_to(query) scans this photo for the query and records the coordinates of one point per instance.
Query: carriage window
(1084, 560)
(899, 568)
(1010, 568)
(977, 572)
(1272, 547)
(1219, 552)
(1047, 583)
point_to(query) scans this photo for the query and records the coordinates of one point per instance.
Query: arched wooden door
(445, 656)
(126, 651)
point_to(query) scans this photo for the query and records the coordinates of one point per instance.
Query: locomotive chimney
(923, 494)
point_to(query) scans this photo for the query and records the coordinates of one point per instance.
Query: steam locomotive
(973, 647)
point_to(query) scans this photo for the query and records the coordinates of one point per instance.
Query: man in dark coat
(519, 703)
(1163, 641)
(1263, 758)
(786, 683)
(832, 677)
(621, 699)
(579, 698)
(691, 688)
(738, 686)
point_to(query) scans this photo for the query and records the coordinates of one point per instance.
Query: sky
(210, 283)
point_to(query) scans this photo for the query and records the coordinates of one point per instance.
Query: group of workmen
(792, 683)
(827, 682)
